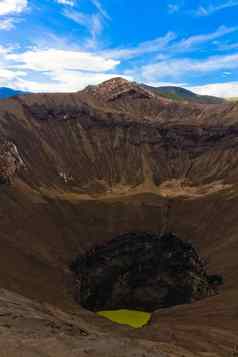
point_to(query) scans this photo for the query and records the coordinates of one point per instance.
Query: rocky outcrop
(10, 161)
(141, 271)
(117, 88)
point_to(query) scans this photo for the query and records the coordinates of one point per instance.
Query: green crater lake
(132, 318)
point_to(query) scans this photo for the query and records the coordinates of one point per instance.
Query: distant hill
(170, 92)
(182, 94)
(8, 92)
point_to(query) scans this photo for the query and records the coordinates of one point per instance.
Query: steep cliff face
(86, 167)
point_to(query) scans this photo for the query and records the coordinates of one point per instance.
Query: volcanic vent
(143, 272)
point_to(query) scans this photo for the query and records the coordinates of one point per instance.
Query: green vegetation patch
(132, 318)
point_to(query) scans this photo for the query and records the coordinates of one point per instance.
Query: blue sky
(64, 45)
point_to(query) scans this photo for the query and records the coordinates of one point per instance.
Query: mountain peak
(117, 87)
(115, 82)
(110, 85)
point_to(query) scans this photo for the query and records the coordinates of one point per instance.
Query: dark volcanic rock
(140, 271)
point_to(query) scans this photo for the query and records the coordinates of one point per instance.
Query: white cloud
(68, 81)
(66, 2)
(167, 66)
(178, 68)
(53, 70)
(7, 23)
(8, 77)
(9, 12)
(217, 6)
(92, 22)
(4, 51)
(61, 60)
(227, 46)
(225, 90)
(142, 48)
(167, 84)
(173, 8)
(12, 6)
(8, 74)
(192, 41)
(167, 44)
(100, 8)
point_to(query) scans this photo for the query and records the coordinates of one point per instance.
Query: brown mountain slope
(78, 169)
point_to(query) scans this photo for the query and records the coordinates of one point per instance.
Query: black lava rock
(140, 271)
